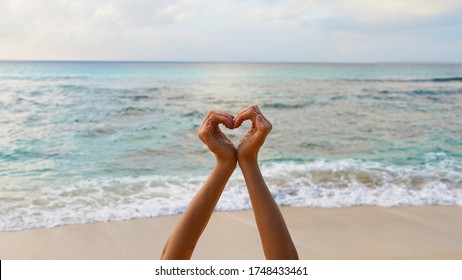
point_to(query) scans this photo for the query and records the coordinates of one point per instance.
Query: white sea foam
(320, 183)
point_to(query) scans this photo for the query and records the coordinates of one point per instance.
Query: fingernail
(260, 118)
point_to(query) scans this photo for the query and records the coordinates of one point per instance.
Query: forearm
(183, 240)
(275, 237)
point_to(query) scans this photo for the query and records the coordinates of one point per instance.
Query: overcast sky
(232, 30)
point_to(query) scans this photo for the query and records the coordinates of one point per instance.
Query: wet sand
(422, 232)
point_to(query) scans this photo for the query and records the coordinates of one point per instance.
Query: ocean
(83, 142)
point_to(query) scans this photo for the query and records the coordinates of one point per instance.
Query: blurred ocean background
(101, 141)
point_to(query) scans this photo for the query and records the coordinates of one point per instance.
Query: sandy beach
(423, 232)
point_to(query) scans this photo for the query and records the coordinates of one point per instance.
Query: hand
(255, 137)
(213, 137)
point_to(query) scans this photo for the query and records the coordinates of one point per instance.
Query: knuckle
(201, 133)
(214, 112)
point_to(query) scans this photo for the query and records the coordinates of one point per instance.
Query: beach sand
(422, 232)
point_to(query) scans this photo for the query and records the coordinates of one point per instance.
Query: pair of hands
(221, 146)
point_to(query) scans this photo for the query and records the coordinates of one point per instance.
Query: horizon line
(230, 61)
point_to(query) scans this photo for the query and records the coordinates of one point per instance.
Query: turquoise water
(98, 141)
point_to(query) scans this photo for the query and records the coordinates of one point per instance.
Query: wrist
(247, 157)
(230, 161)
(250, 168)
(248, 161)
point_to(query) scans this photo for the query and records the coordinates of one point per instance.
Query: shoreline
(360, 232)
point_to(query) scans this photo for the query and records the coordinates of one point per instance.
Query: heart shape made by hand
(218, 143)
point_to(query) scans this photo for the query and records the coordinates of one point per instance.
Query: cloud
(377, 11)
(361, 11)
(174, 12)
(107, 12)
(255, 30)
(350, 42)
(293, 10)
(180, 11)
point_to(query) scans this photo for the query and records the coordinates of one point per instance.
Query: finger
(264, 127)
(205, 120)
(242, 115)
(261, 131)
(215, 112)
(223, 114)
(263, 122)
(205, 130)
(249, 113)
(225, 119)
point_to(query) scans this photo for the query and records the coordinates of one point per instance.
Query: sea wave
(418, 80)
(318, 183)
(279, 105)
(450, 79)
(434, 92)
(349, 182)
(392, 95)
(37, 78)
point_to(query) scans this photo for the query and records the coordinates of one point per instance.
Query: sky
(226, 30)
